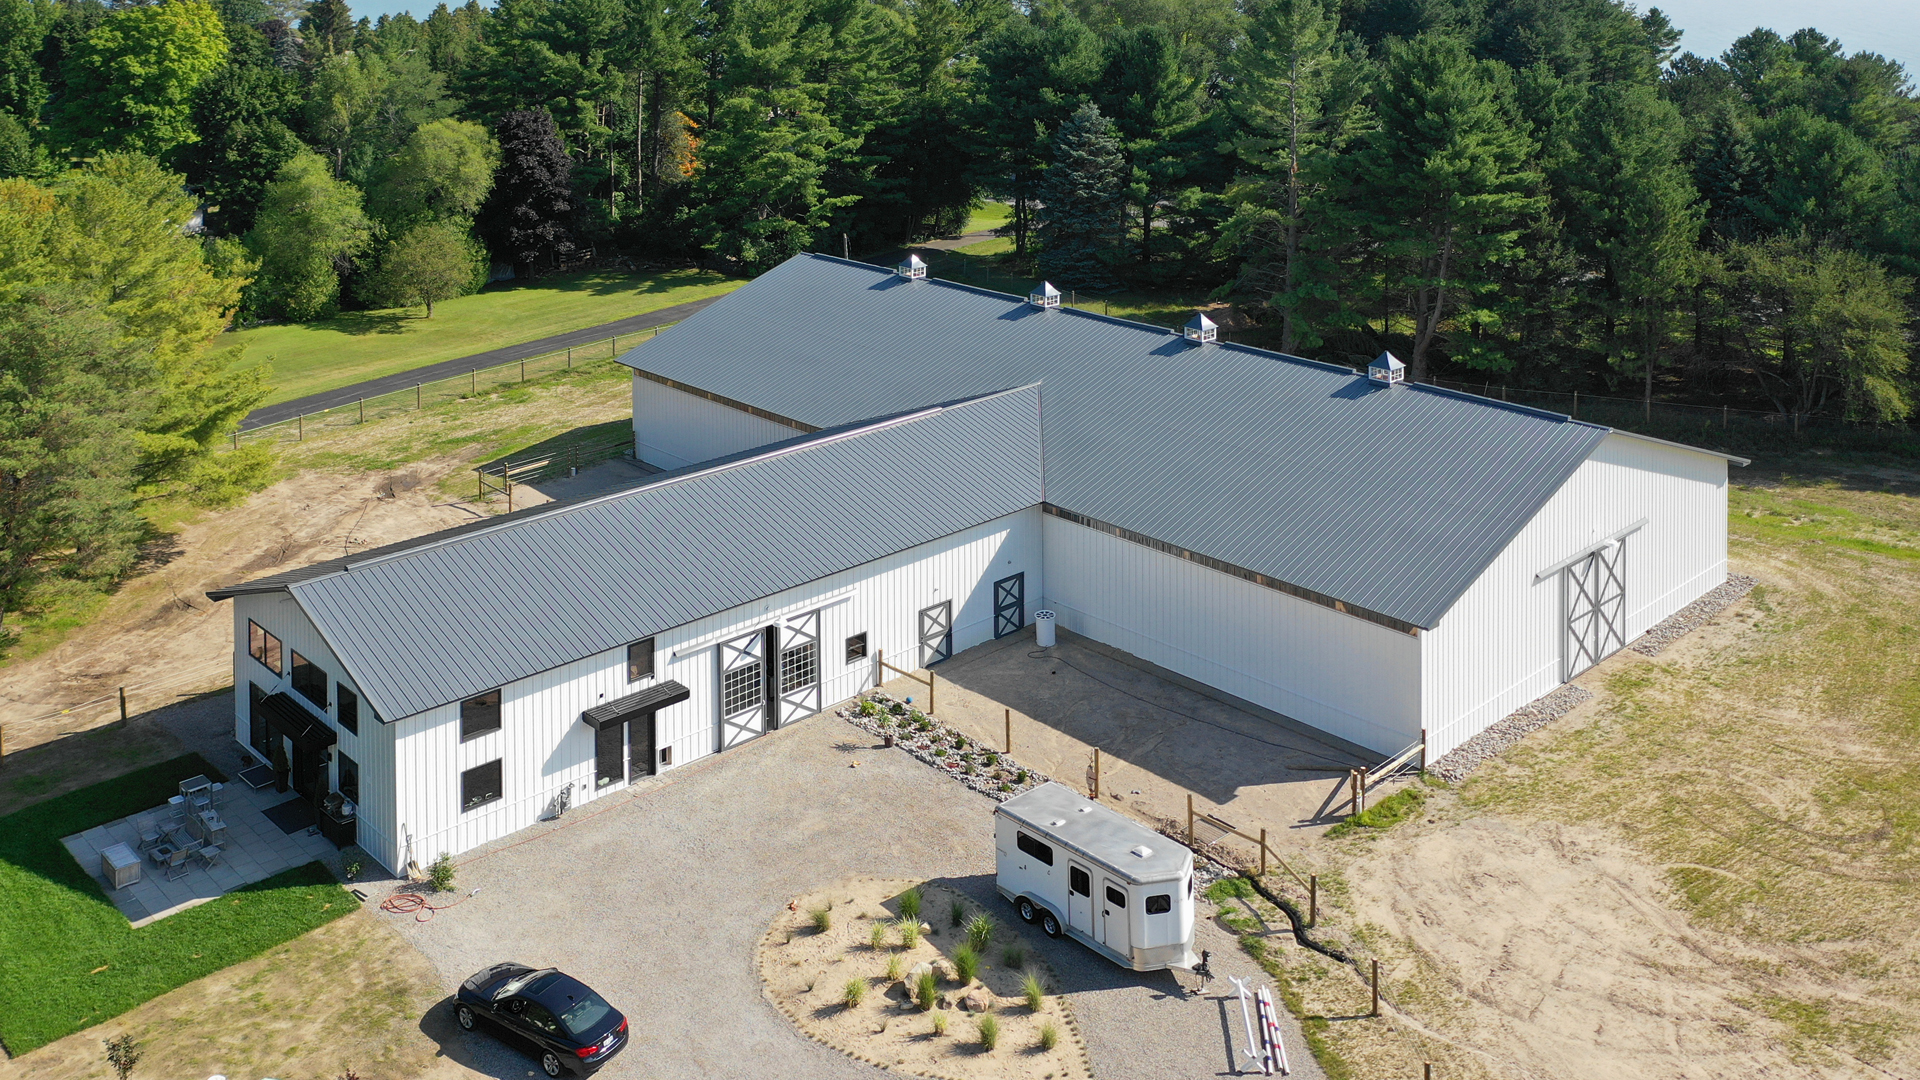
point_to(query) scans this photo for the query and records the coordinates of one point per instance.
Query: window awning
(619, 710)
(285, 716)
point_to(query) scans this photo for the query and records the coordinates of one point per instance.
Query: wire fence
(427, 394)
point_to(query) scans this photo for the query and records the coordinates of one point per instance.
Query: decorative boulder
(913, 975)
(979, 1000)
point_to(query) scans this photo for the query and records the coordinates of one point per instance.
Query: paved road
(402, 380)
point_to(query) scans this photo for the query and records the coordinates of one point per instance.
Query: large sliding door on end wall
(1595, 600)
(742, 687)
(798, 640)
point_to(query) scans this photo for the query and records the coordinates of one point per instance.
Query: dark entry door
(1009, 605)
(936, 633)
(609, 766)
(308, 772)
(257, 723)
(640, 753)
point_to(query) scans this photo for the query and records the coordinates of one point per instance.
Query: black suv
(570, 1027)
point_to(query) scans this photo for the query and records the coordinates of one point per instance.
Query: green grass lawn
(988, 215)
(69, 959)
(356, 345)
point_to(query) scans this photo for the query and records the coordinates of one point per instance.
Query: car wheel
(465, 1017)
(1049, 925)
(550, 1061)
(1025, 908)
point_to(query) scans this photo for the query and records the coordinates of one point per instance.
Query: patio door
(1596, 604)
(742, 686)
(799, 689)
(1009, 605)
(936, 633)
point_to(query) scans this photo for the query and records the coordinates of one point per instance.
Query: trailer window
(1079, 882)
(1159, 904)
(1035, 848)
(1116, 897)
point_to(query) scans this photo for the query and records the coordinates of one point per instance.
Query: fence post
(363, 410)
(1096, 772)
(1189, 819)
(300, 428)
(879, 667)
(1009, 731)
(236, 438)
(1353, 791)
(1376, 989)
(1363, 790)
(1723, 418)
(523, 369)
(473, 381)
(569, 359)
(1576, 404)
(1263, 853)
(416, 397)
(1313, 899)
(123, 706)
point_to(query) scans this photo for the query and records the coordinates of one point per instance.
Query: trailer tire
(1026, 909)
(1049, 925)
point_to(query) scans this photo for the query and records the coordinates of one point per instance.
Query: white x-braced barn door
(742, 685)
(800, 667)
(936, 633)
(1596, 606)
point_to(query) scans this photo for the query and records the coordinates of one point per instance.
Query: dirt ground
(806, 972)
(347, 996)
(348, 489)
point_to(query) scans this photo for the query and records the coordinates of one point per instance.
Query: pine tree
(1081, 222)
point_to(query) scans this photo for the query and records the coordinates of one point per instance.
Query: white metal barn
(863, 460)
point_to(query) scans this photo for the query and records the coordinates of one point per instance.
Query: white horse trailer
(1104, 880)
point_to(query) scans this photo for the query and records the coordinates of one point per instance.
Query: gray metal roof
(1099, 831)
(454, 614)
(1390, 498)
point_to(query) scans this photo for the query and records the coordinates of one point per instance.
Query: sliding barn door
(799, 687)
(742, 685)
(1596, 605)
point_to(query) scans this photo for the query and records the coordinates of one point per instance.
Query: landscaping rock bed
(1517, 725)
(1675, 626)
(981, 768)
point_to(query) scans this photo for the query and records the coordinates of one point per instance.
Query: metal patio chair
(177, 863)
(150, 833)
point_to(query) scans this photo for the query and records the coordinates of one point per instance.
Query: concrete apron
(1161, 736)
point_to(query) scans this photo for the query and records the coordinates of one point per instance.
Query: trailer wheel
(1025, 907)
(1049, 925)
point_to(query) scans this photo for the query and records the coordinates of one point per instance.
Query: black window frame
(1112, 892)
(1079, 881)
(480, 716)
(633, 674)
(278, 651)
(857, 647)
(348, 783)
(1158, 904)
(1038, 850)
(346, 707)
(315, 674)
(468, 778)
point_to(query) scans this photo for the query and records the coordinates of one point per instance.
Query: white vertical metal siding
(672, 428)
(1499, 646)
(544, 746)
(1347, 676)
(372, 749)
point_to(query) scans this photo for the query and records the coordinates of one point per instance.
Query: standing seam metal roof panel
(1390, 498)
(438, 622)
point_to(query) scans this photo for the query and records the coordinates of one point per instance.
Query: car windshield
(585, 1013)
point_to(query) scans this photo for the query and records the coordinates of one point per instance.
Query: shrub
(877, 935)
(1384, 814)
(896, 967)
(897, 709)
(440, 873)
(980, 930)
(1005, 787)
(1049, 1036)
(993, 758)
(940, 751)
(822, 919)
(957, 912)
(910, 903)
(1013, 956)
(1031, 989)
(856, 992)
(926, 992)
(1020, 777)
(939, 1023)
(122, 1055)
(909, 928)
(989, 1031)
(960, 741)
(966, 964)
(868, 708)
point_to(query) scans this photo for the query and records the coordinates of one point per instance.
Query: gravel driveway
(656, 899)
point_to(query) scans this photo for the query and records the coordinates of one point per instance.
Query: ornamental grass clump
(980, 930)
(1049, 1036)
(1013, 956)
(822, 919)
(909, 931)
(910, 904)
(939, 1023)
(926, 992)
(957, 912)
(1035, 993)
(877, 935)
(896, 968)
(966, 964)
(989, 1032)
(856, 992)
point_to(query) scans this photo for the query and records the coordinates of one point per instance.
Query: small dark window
(479, 715)
(309, 681)
(640, 660)
(1035, 848)
(263, 646)
(1079, 882)
(857, 647)
(1159, 904)
(666, 755)
(799, 667)
(1116, 897)
(349, 777)
(349, 711)
(480, 785)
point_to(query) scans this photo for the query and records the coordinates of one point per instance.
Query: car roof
(560, 991)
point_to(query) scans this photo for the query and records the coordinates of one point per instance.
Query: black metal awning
(285, 716)
(619, 710)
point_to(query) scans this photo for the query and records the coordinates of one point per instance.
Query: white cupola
(1387, 370)
(914, 268)
(1200, 330)
(1045, 296)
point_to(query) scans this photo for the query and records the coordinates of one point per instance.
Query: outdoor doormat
(293, 815)
(257, 777)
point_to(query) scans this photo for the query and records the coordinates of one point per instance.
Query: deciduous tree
(432, 261)
(309, 229)
(130, 82)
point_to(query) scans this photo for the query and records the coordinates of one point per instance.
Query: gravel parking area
(657, 898)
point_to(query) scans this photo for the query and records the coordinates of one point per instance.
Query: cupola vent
(914, 268)
(1200, 330)
(1387, 370)
(1045, 296)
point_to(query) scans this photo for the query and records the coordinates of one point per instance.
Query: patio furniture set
(190, 829)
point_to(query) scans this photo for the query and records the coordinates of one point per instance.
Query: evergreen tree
(241, 114)
(1081, 223)
(526, 219)
(1146, 92)
(309, 229)
(1442, 190)
(327, 28)
(1035, 70)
